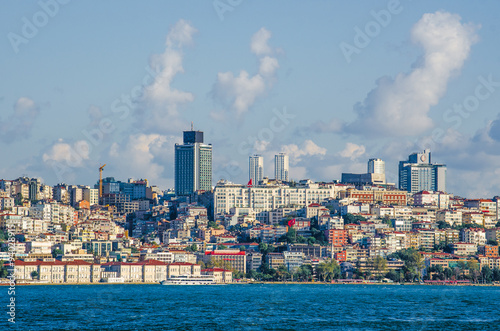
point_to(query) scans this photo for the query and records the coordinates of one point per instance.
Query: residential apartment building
(281, 167)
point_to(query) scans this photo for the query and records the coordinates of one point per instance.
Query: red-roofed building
(229, 258)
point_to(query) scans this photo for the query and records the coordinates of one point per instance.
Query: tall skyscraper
(419, 174)
(256, 168)
(281, 167)
(376, 166)
(193, 164)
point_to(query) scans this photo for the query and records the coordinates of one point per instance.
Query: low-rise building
(222, 276)
(464, 249)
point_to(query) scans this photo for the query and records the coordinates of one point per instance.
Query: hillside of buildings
(273, 230)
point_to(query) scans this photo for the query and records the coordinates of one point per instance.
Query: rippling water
(253, 307)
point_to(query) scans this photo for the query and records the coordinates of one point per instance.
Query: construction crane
(100, 182)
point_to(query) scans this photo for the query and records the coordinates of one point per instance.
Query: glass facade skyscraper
(193, 164)
(419, 174)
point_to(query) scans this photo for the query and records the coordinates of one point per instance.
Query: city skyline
(349, 84)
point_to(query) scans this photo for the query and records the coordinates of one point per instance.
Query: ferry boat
(190, 280)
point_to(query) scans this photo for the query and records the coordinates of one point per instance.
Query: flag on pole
(291, 222)
(249, 183)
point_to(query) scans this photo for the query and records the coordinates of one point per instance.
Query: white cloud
(20, 123)
(259, 45)
(180, 34)
(400, 106)
(308, 148)
(150, 155)
(242, 90)
(353, 151)
(160, 103)
(268, 66)
(72, 155)
(260, 146)
(237, 93)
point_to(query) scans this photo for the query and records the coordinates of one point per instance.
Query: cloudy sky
(331, 83)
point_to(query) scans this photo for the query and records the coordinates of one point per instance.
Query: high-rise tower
(255, 168)
(193, 164)
(281, 167)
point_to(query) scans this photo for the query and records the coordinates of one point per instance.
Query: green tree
(291, 235)
(461, 266)
(252, 274)
(18, 200)
(443, 225)
(353, 219)
(496, 274)
(282, 273)
(487, 274)
(311, 240)
(414, 263)
(473, 267)
(4, 272)
(392, 275)
(191, 248)
(492, 242)
(387, 220)
(212, 224)
(379, 264)
(34, 274)
(56, 252)
(304, 273)
(3, 236)
(328, 270)
(448, 273)
(222, 246)
(468, 226)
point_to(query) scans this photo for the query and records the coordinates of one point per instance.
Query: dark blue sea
(252, 307)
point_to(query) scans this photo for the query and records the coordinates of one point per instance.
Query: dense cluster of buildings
(135, 232)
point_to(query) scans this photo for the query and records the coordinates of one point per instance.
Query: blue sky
(90, 82)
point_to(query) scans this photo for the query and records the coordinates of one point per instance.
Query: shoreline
(260, 283)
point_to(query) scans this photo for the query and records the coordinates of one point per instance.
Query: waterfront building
(222, 276)
(234, 258)
(193, 164)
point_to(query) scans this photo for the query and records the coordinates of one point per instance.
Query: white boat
(190, 280)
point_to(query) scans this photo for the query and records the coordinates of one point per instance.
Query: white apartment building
(265, 198)
(452, 217)
(91, 195)
(256, 169)
(281, 167)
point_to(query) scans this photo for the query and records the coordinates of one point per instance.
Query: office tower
(419, 174)
(281, 167)
(255, 169)
(193, 164)
(376, 166)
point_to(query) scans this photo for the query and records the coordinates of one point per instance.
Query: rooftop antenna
(192, 126)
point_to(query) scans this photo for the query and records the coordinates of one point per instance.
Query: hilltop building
(419, 174)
